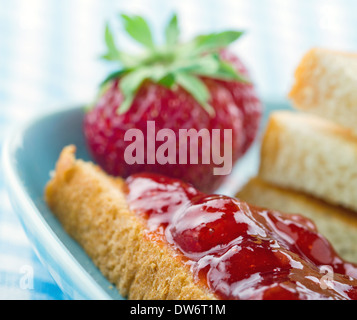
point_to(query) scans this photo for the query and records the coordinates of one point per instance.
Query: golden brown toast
(308, 154)
(128, 249)
(325, 85)
(92, 208)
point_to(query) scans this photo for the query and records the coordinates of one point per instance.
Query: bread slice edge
(92, 208)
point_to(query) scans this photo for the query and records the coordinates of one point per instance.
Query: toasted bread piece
(338, 225)
(92, 208)
(326, 85)
(308, 154)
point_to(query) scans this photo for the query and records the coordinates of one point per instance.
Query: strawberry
(195, 85)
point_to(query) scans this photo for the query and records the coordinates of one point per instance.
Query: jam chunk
(240, 251)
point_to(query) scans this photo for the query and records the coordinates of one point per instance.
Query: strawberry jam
(240, 251)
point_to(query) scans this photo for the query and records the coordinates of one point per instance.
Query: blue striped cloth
(49, 53)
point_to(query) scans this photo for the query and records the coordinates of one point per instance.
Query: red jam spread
(240, 251)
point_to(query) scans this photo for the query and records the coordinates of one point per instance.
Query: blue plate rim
(82, 280)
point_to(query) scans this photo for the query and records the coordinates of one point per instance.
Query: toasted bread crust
(325, 84)
(311, 155)
(92, 208)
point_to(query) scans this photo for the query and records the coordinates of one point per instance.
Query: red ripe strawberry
(198, 85)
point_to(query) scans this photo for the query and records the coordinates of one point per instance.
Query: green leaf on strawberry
(113, 54)
(172, 32)
(129, 84)
(172, 64)
(196, 88)
(139, 30)
(216, 41)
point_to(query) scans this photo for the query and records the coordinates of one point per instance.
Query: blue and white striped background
(49, 57)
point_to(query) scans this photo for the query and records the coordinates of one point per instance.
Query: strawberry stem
(173, 64)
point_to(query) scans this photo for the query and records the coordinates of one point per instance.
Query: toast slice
(92, 208)
(338, 225)
(326, 85)
(308, 154)
(160, 238)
